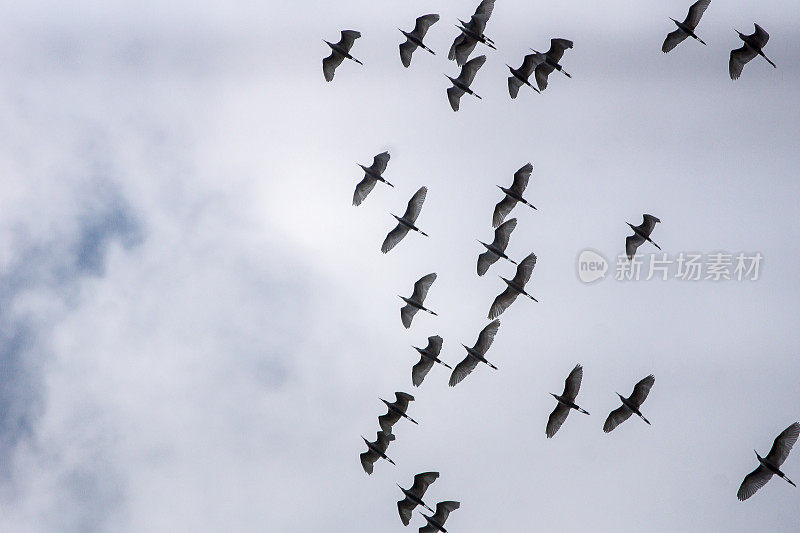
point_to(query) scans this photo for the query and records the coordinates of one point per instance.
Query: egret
(339, 51)
(436, 522)
(462, 82)
(415, 36)
(770, 464)
(428, 356)
(641, 233)
(397, 410)
(753, 46)
(515, 287)
(630, 405)
(414, 495)
(497, 248)
(686, 28)
(476, 354)
(414, 303)
(376, 450)
(472, 33)
(512, 195)
(566, 401)
(407, 221)
(372, 175)
(519, 77)
(551, 61)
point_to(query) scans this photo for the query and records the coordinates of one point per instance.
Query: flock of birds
(540, 65)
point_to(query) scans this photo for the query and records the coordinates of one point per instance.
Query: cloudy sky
(196, 325)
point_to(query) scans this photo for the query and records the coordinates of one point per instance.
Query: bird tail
(446, 365)
(701, 40)
(532, 298)
(431, 312)
(356, 60)
(567, 74)
(512, 261)
(790, 481)
(584, 411)
(491, 365)
(429, 50)
(389, 184)
(657, 246)
(479, 98)
(490, 43)
(387, 458)
(419, 230)
(646, 420)
(417, 423)
(770, 62)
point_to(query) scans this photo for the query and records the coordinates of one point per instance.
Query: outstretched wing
(521, 178)
(363, 189)
(502, 209)
(379, 163)
(415, 205)
(330, 63)
(513, 86)
(407, 315)
(739, 58)
(348, 38)
(525, 269)
(368, 459)
(388, 420)
(485, 260)
(486, 337)
(502, 301)
(783, 445)
(529, 63)
(443, 509)
(421, 287)
(573, 383)
(423, 24)
(556, 419)
(557, 47)
(405, 507)
(648, 224)
(753, 481)
(422, 482)
(406, 49)
(434, 346)
(617, 417)
(673, 39)
(503, 233)
(462, 370)
(543, 70)
(420, 370)
(402, 399)
(696, 12)
(761, 36)
(632, 243)
(394, 236)
(428, 529)
(454, 95)
(641, 390)
(470, 69)
(463, 49)
(485, 8)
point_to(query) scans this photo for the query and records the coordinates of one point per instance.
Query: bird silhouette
(414, 303)
(753, 46)
(413, 496)
(519, 76)
(687, 27)
(476, 354)
(513, 195)
(428, 356)
(566, 401)
(641, 233)
(436, 522)
(472, 33)
(415, 36)
(770, 465)
(551, 62)
(497, 248)
(462, 83)
(630, 405)
(339, 51)
(515, 287)
(407, 221)
(396, 411)
(376, 450)
(372, 175)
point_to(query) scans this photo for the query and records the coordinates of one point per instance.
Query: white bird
(566, 401)
(339, 51)
(630, 405)
(512, 195)
(463, 81)
(551, 61)
(497, 248)
(476, 354)
(407, 221)
(372, 175)
(376, 450)
(641, 233)
(519, 76)
(428, 356)
(515, 287)
(413, 496)
(436, 522)
(397, 410)
(770, 464)
(415, 36)
(753, 46)
(472, 33)
(415, 303)
(687, 27)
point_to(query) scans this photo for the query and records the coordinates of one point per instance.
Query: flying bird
(519, 76)
(472, 33)
(463, 81)
(753, 46)
(372, 175)
(339, 51)
(687, 27)
(397, 410)
(515, 287)
(407, 221)
(770, 464)
(436, 522)
(475, 354)
(414, 495)
(566, 401)
(551, 61)
(414, 303)
(630, 405)
(512, 195)
(415, 36)
(428, 356)
(497, 248)
(376, 450)
(641, 233)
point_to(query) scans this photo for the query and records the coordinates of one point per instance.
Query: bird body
(515, 287)
(339, 51)
(630, 405)
(413, 496)
(415, 303)
(519, 76)
(551, 61)
(641, 234)
(407, 221)
(513, 195)
(414, 38)
(396, 411)
(753, 46)
(687, 27)
(497, 248)
(472, 33)
(566, 401)
(372, 175)
(475, 354)
(376, 450)
(462, 83)
(770, 465)
(428, 356)
(436, 522)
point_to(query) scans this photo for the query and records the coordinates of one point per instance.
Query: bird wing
(557, 47)
(573, 383)
(379, 162)
(388, 420)
(434, 346)
(502, 209)
(632, 243)
(407, 315)
(753, 481)
(616, 417)
(761, 36)
(423, 24)
(556, 419)
(428, 529)
(443, 509)
(415, 205)
(641, 390)
(402, 399)
(363, 189)
(673, 39)
(525, 269)
(420, 370)
(783, 445)
(513, 86)
(542, 71)
(503, 233)
(486, 337)
(464, 48)
(529, 63)
(695, 12)
(454, 95)
(406, 49)
(330, 63)
(405, 507)
(485, 8)
(521, 178)
(368, 459)
(471, 68)
(348, 38)
(462, 370)
(421, 287)
(394, 236)
(382, 440)
(485, 260)
(422, 482)
(502, 301)
(648, 224)
(739, 58)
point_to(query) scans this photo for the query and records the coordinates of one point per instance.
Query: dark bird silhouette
(566, 401)
(414, 495)
(407, 221)
(512, 195)
(687, 27)
(414, 303)
(519, 76)
(415, 36)
(630, 405)
(472, 33)
(515, 287)
(376, 450)
(428, 356)
(476, 354)
(372, 175)
(497, 248)
(770, 464)
(463, 81)
(753, 46)
(436, 522)
(551, 62)
(641, 234)
(339, 51)
(397, 410)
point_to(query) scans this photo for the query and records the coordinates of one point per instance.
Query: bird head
(396, 217)
(328, 43)
(741, 35)
(483, 243)
(420, 350)
(759, 457)
(449, 78)
(508, 281)
(630, 225)
(362, 167)
(502, 188)
(673, 20)
(621, 397)
(535, 51)
(553, 395)
(384, 401)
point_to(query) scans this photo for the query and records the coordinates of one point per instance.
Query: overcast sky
(196, 325)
